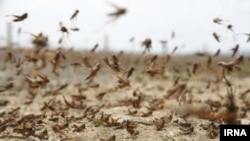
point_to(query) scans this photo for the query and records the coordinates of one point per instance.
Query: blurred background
(186, 24)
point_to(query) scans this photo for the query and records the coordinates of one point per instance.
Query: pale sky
(191, 20)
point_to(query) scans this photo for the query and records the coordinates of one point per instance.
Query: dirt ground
(166, 99)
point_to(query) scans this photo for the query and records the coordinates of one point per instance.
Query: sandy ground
(68, 107)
